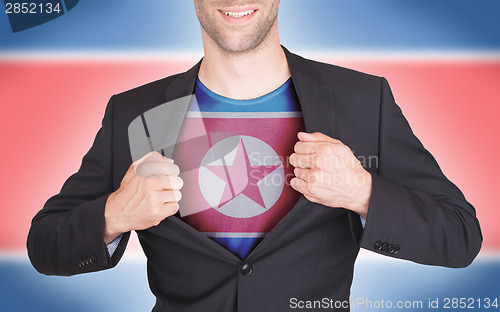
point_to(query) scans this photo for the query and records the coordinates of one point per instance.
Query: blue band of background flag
(361, 25)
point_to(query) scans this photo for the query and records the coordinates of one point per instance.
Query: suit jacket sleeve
(414, 209)
(67, 236)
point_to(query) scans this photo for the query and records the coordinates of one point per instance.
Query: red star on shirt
(241, 177)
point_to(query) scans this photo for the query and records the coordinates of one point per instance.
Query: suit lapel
(158, 128)
(316, 98)
(183, 84)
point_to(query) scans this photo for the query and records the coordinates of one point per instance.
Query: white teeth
(239, 14)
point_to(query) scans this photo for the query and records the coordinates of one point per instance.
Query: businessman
(280, 213)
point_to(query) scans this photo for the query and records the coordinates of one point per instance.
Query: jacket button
(93, 260)
(390, 249)
(378, 245)
(385, 245)
(396, 249)
(246, 269)
(83, 263)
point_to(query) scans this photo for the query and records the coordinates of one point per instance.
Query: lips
(239, 15)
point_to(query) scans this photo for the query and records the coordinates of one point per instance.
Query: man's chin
(240, 46)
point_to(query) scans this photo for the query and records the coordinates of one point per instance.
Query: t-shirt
(233, 156)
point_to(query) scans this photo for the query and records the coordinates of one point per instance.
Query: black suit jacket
(415, 212)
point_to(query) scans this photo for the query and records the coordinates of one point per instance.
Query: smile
(238, 14)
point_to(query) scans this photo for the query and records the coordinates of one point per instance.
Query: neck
(245, 75)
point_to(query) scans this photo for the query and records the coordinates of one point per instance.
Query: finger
(301, 186)
(157, 157)
(132, 170)
(152, 154)
(165, 183)
(302, 173)
(311, 176)
(171, 196)
(172, 183)
(172, 169)
(171, 208)
(157, 169)
(298, 184)
(316, 137)
(303, 147)
(152, 170)
(302, 161)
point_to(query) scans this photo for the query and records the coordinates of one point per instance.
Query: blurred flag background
(441, 57)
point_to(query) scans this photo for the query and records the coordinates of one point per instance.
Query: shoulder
(126, 106)
(149, 91)
(335, 75)
(132, 103)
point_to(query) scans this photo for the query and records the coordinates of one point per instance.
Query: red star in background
(242, 177)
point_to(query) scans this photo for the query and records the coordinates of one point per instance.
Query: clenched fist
(149, 192)
(327, 172)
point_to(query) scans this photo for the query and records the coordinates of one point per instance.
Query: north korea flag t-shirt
(234, 159)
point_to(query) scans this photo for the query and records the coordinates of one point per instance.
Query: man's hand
(148, 193)
(327, 172)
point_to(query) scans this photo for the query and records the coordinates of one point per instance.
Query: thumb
(143, 158)
(152, 157)
(316, 137)
(132, 169)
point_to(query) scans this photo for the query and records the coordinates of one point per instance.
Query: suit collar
(183, 84)
(315, 97)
